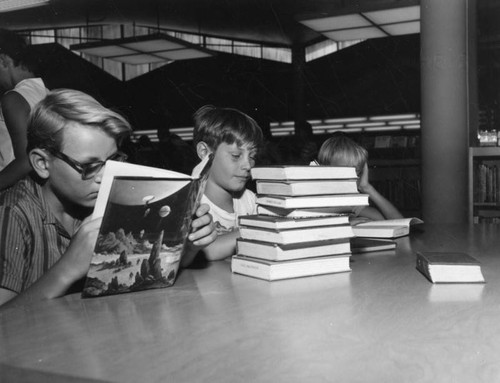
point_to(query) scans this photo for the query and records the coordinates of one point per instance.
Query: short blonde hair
(66, 108)
(340, 150)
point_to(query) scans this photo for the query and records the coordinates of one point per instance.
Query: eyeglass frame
(82, 168)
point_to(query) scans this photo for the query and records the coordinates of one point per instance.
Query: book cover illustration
(143, 233)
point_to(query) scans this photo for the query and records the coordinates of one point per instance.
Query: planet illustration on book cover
(141, 240)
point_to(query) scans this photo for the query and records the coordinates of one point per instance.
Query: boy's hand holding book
(202, 234)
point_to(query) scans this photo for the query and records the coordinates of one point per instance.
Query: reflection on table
(382, 322)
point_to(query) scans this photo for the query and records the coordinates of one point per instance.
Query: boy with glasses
(46, 235)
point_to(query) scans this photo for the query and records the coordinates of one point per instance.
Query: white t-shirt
(225, 221)
(33, 90)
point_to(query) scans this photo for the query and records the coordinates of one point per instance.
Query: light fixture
(367, 25)
(146, 49)
(386, 123)
(14, 5)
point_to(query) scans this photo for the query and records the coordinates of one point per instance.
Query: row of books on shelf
(303, 228)
(390, 141)
(487, 183)
(479, 219)
(403, 193)
(487, 216)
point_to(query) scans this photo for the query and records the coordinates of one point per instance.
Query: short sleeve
(13, 249)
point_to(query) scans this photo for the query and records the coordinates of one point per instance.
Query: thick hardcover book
(306, 187)
(299, 213)
(449, 267)
(146, 218)
(326, 200)
(291, 172)
(366, 245)
(271, 271)
(277, 252)
(305, 234)
(389, 228)
(274, 222)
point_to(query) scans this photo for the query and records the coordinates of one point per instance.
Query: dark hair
(16, 47)
(214, 126)
(67, 109)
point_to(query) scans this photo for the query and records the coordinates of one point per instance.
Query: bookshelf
(398, 179)
(484, 184)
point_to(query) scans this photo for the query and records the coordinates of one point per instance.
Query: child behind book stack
(234, 139)
(340, 150)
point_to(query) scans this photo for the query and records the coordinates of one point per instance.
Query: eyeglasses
(91, 169)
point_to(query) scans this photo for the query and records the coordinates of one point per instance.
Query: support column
(446, 56)
(299, 107)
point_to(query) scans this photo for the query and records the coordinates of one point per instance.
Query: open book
(147, 214)
(388, 228)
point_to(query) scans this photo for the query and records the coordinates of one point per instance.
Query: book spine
(423, 267)
(274, 253)
(251, 269)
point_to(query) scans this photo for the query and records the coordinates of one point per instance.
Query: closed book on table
(276, 252)
(306, 234)
(389, 228)
(325, 200)
(306, 212)
(449, 267)
(306, 187)
(366, 245)
(302, 172)
(271, 271)
(274, 222)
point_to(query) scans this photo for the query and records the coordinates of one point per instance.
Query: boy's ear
(202, 150)
(39, 160)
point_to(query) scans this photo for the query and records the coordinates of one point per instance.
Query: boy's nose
(246, 163)
(98, 176)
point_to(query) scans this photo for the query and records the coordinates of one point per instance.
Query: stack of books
(302, 227)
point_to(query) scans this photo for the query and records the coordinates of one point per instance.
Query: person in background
(22, 91)
(46, 234)
(175, 153)
(234, 140)
(340, 150)
(146, 153)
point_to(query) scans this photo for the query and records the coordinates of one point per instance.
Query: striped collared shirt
(31, 238)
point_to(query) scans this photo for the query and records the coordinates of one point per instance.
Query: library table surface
(382, 322)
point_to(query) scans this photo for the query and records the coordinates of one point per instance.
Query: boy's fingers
(202, 210)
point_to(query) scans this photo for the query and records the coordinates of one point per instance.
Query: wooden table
(383, 322)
